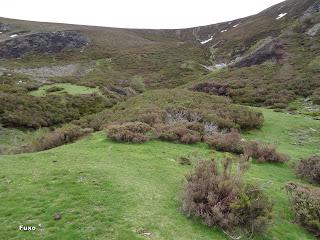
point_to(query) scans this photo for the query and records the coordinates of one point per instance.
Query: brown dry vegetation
(220, 198)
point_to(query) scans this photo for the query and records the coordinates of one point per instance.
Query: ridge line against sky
(165, 14)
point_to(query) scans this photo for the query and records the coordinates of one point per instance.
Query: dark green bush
(309, 169)
(220, 198)
(305, 204)
(22, 110)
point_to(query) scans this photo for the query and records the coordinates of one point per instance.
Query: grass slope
(108, 190)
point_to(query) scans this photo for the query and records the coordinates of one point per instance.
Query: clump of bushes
(136, 132)
(226, 142)
(59, 137)
(220, 198)
(305, 203)
(232, 142)
(187, 133)
(22, 110)
(212, 88)
(309, 168)
(263, 152)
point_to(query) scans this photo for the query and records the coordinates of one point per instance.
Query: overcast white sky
(133, 13)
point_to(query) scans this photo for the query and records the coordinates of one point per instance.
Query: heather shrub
(181, 114)
(263, 152)
(151, 117)
(212, 88)
(248, 119)
(59, 137)
(219, 197)
(190, 138)
(226, 142)
(135, 132)
(222, 122)
(305, 204)
(309, 169)
(178, 132)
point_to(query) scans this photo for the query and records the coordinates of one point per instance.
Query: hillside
(173, 93)
(123, 191)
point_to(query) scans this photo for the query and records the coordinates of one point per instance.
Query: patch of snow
(225, 30)
(206, 41)
(14, 35)
(220, 65)
(281, 15)
(236, 25)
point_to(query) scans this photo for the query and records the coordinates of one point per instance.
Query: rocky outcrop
(46, 42)
(314, 30)
(268, 49)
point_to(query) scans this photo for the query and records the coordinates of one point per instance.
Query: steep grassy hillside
(124, 191)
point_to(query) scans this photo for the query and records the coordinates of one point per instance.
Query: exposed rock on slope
(46, 42)
(267, 49)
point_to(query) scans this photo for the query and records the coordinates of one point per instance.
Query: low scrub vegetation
(212, 88)
(309, 169)
(22, 110)
(187, 133)
(305, 203)
(232, 142)
(226, 142)
(263, 152)
(135, 132)
(58, 137)
(180, 104)
(220, 198)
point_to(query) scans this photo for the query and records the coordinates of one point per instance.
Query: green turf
(108, 190)
(67, 88)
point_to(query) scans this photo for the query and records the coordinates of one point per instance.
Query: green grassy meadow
(108, 190)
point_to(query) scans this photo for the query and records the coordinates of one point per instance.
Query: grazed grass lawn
(108, 190)
(67, 88)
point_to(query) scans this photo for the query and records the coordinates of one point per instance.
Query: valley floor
(108, 190)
